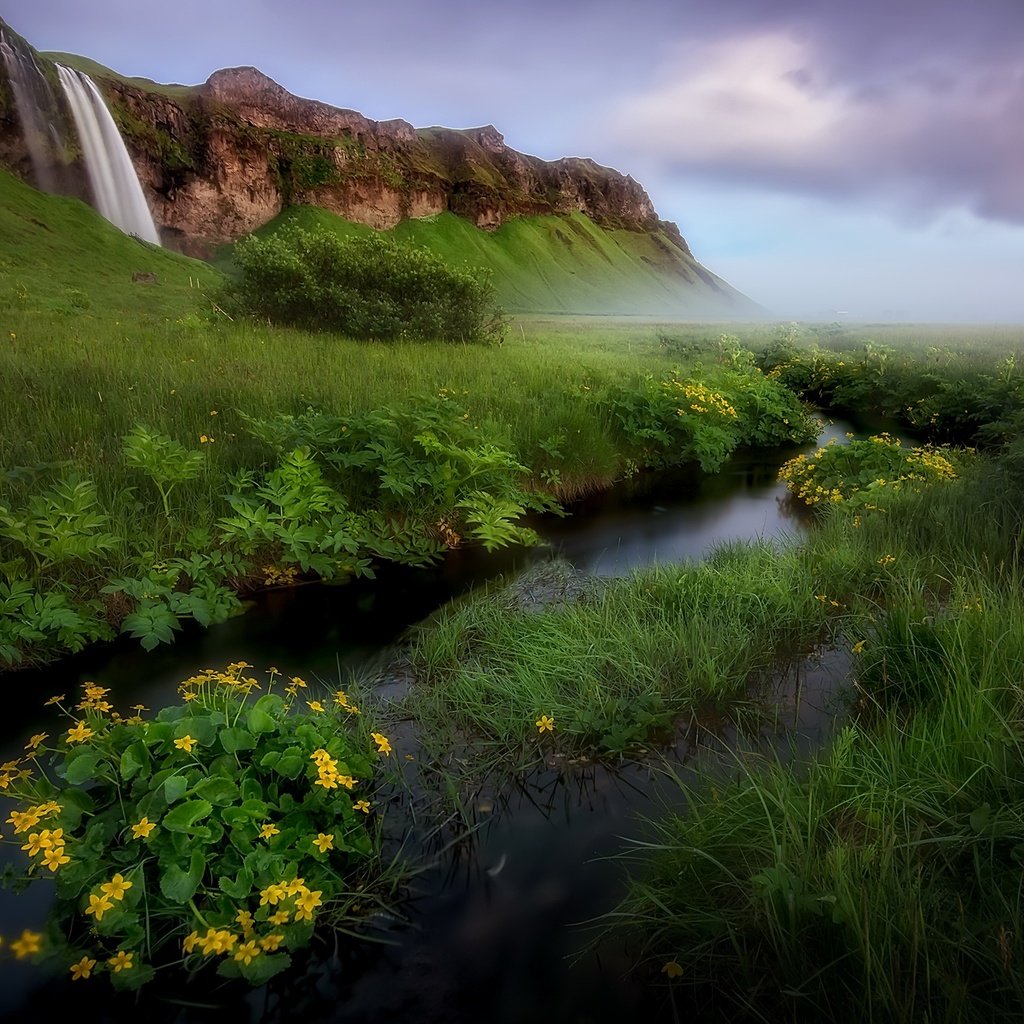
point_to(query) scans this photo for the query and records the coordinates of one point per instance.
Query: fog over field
(821, 157)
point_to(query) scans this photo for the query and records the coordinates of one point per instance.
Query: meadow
(162, 456)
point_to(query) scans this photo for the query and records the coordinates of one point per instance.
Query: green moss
(173, 155)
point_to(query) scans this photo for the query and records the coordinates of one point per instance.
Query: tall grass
(617, 668)
(882, 880)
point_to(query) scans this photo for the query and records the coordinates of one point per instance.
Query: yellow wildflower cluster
(342, 702)
(284, 576)
(206, 682)
(109, 893)
(48, 844)
(296, 684)
(327, 771)
(701, 399)
(12, 771)
(95, 699)
(383, 743)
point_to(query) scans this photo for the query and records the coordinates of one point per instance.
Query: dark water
(493, 929)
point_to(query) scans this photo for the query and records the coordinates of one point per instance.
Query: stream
(494, 928)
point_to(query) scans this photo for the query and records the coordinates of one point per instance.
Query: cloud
(775, 108)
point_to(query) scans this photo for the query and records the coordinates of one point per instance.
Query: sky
(830, 159)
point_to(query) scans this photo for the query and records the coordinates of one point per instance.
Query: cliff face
(223, 158)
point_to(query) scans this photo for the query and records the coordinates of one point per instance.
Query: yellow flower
(329, 780)
(247, 952)
(55, 857)
(306, 903)
(116, 887)
(36, 844)
(279, 917)
(142, 828)
(324, 842)
(24, 820)
(383, 744)
(268, 830)
(36, 740)
(217, 941)
(186, 743)
(858, 646)
(273, 894)
(294, 886)
(79, 733)
(189, 942)
(545, 724)
(121, 961)
(347, 781)
(271, 942)
(672, 969)
(82, 969)
(98, 905)
(362, 805)
(315, 705)
(29, 943)
(244, 921)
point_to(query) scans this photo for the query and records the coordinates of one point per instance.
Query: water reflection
(492, 926)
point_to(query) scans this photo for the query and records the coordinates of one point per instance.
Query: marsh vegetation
(163, 462)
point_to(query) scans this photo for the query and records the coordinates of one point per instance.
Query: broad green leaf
(82, 768)
(174, 788)
(134, 760)
(260, 722)
(265, 967)
(180, 885)
(219, 791)
(184, 817)
(233, 740)
(290, 765)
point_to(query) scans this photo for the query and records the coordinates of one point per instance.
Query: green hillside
(58, 255)
(95, 69)
(558, 264)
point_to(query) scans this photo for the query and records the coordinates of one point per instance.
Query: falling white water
(31, 93)
(115, 184)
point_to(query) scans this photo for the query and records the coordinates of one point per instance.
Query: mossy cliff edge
(221, 159)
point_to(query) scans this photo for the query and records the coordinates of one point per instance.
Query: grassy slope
(57, 255)
(96, 70)
(560, 264)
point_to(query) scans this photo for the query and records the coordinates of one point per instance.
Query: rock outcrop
(221, 159)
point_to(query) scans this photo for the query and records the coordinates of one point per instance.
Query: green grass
(617, 668)
(65, 266)
(558, 264)
(96, 70)
(882, 882)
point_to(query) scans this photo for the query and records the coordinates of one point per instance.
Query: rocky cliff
(221, 159)
(229, 156)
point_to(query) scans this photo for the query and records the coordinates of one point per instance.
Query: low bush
(368, 287)
(220, 830)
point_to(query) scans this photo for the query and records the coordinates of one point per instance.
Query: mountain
(222, 159)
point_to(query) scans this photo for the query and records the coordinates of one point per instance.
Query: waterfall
(32, 96)
(115, 184)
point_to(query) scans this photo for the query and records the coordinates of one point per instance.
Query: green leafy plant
(63, 524)
(364, 287)
(221, 830)
(866, 470)
(296, 513)
(165, 461)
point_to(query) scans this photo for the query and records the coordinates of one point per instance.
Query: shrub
(863, 471)
(222, 829)
(366, 287)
